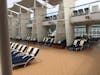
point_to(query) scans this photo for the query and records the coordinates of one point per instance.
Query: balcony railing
(51, 16)
(86, 9)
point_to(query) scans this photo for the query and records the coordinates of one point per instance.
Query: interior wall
(68, 27)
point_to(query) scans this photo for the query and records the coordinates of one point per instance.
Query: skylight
(10, 3)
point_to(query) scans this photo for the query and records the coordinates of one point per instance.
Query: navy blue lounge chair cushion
(20, 59)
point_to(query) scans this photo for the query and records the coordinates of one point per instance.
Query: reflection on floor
(51, 61)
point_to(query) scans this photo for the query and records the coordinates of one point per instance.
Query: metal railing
(85, 9)
(51, 16)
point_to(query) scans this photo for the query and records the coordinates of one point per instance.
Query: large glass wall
(95, 31)
(80, 30)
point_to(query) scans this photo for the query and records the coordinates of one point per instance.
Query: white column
(10, 26)
(34, 29)
(5, 54)
(88, 29)
(68, 27)
(60, 27)
(14, 26)
(25, 17)
(19, 23)
(40, 29)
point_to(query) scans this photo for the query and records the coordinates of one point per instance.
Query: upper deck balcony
(86, 14)
(50, 19)
(53, 18)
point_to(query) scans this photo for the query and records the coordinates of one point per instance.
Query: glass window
(95, 8)
(95, 31)
(79, 30)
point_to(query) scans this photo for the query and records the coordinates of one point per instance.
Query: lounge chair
(15, 46)
(43, 41)
(18, 51)
(47, 41)
(75, 44)
(12, 45)
(25, 59)
(30, 51)
(83, 44)
(21, 60)
(22, 51)
(51, 41)
(34, 52)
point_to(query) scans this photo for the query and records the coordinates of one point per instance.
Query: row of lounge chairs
(47, 41)
(28, 39)
(81, 43)
(22, 54)
(50, 41)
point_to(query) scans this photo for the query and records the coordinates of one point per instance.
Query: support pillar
(60, 27)
(25, 17)
(88, 30)
(5, 54)
(34, 29)
(40, 29)
(68, 27)
(14, 26)
(19, 23)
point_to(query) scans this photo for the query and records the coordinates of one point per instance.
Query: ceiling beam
(25, 8)
(45, 3)
(17, 13)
